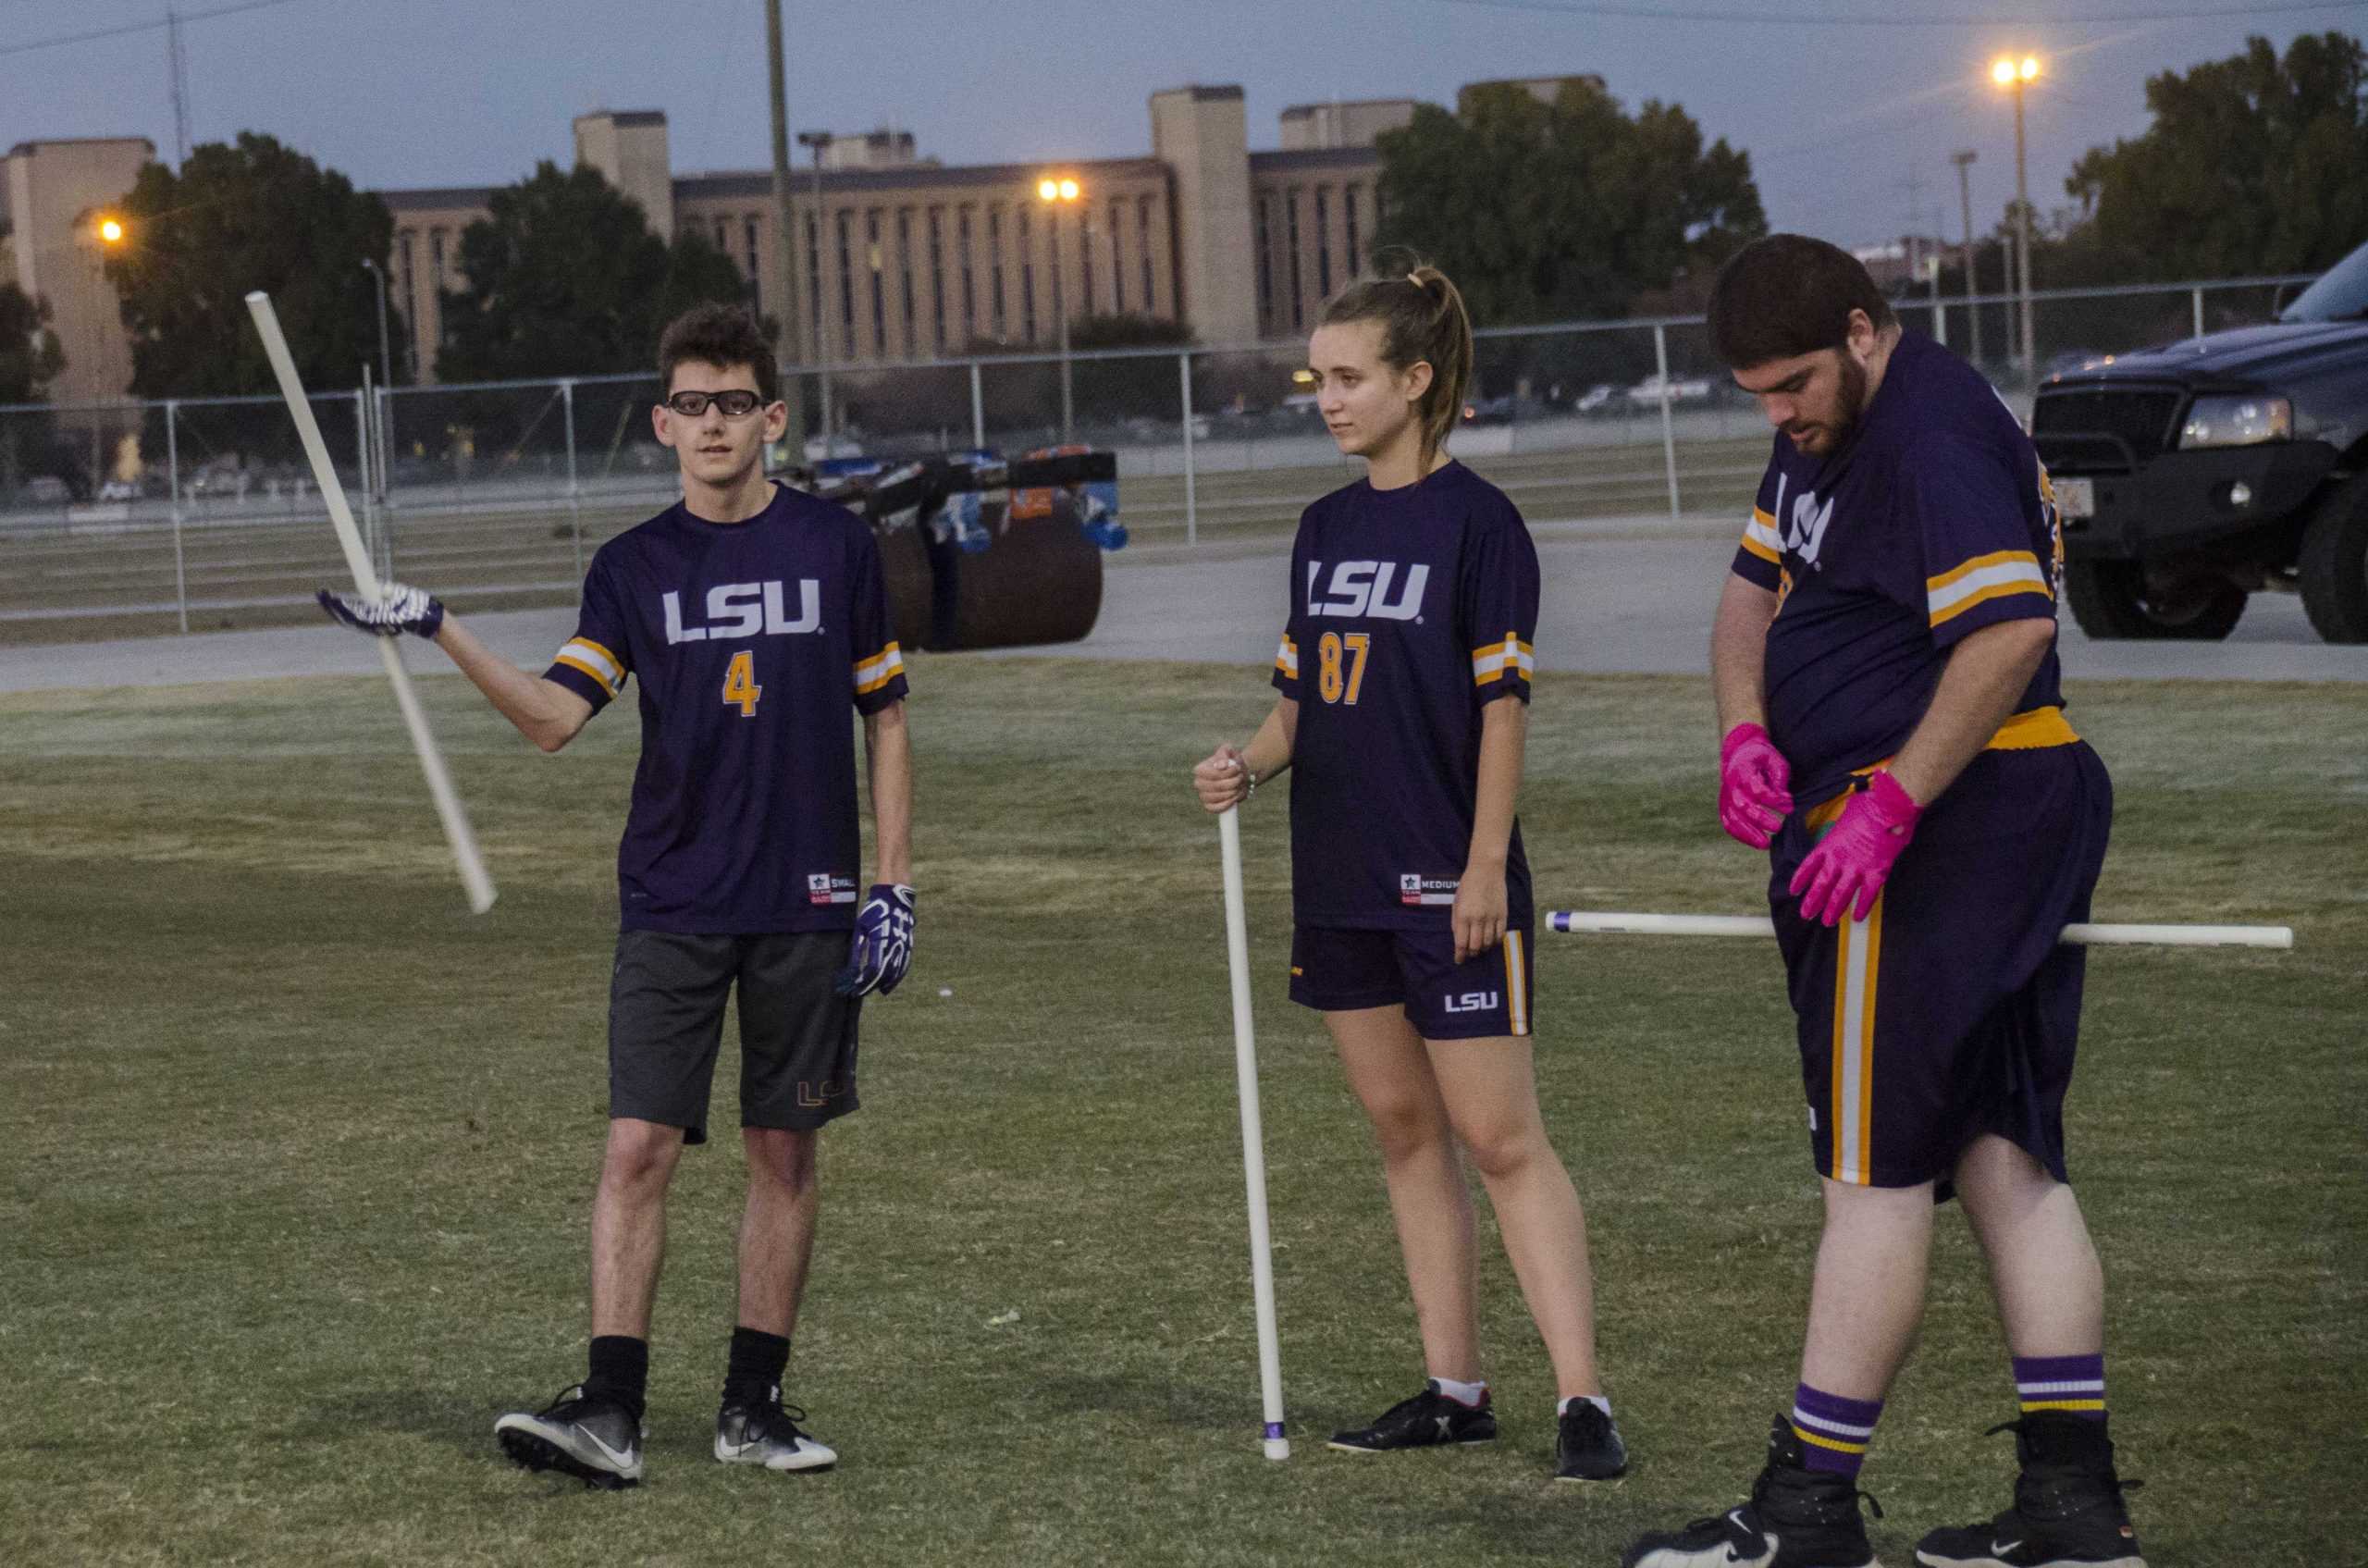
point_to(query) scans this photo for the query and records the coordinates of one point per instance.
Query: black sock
(758, 1361)
(620, 1371)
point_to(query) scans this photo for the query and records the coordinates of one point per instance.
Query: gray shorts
(797, 1037)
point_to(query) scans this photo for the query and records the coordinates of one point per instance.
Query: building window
(1085, 257)
(1323, 242)
(814, 281)
(403, 272)
(904, 273)
(756, 272)
(1117, 260)
(1290, 220)
(969, 294)
(937, 279)
(877, 262)
(994, 271)
(1027, 282)
(1142, 249)
(1266, 266)
(847, 285)
(436, 257)
(1348, 201)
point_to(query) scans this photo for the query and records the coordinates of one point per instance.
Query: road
(1628, 593)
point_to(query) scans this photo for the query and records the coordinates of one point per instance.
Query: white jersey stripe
(1940, 599)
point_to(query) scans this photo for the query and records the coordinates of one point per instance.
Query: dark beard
(1854, 398)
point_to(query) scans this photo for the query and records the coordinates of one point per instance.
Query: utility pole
(785, 249)
(177, 63)
(1964, 160)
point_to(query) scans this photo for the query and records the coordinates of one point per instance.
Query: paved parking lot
(1628, 595)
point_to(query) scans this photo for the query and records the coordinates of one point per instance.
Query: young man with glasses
(751, 613)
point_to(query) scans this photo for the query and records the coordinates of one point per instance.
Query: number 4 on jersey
(740, 687)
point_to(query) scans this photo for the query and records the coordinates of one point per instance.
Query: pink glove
(1855, 857)
(1753, 800)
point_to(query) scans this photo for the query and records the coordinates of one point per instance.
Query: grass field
(294, 1155)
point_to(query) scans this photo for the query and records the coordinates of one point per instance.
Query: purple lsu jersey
(749, 640)
(1932, 520)
(1411, 611)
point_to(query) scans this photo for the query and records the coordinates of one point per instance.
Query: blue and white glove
(883, 942)
(398, 609)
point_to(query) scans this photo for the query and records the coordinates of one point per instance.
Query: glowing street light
(1057, 193)
(2014, 76)
(111, 231)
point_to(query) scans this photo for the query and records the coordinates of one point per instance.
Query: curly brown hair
(721, 335)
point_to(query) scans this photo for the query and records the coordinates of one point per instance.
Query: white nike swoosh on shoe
(623, 1461)
(2000, 1549)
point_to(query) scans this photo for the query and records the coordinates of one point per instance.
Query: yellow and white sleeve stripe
(876, 672)
(587, 657)
(1494, 662)
(1287, 658)
(1759, 537)
(1983, 578)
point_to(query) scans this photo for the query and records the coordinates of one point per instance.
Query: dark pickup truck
(2192, 475)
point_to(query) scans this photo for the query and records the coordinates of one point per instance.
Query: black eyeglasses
(738, 404)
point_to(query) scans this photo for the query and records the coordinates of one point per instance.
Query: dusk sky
(1839, 116)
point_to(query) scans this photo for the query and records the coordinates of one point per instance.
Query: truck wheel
(2112, 601)
(2334, 564)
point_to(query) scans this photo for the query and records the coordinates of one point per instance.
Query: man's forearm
(1504, 741)
(528, 701)
(1739, 654)
(888, 748)
(1979, 685)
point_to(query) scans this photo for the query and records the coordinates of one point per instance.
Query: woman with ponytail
(1405, 682)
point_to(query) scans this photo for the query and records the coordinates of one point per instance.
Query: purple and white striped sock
(1834, 1432)
(2074, 1385)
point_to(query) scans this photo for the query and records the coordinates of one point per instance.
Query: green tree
(30, 358)
(1564, 209)
(30, 354)
(2252, 165)
(240, 216)
(565, 279)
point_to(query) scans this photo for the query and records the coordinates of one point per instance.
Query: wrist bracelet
(1249, 781)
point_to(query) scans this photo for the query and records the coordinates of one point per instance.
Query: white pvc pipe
(365, 583)
(1597, 922)
(1253, 1151)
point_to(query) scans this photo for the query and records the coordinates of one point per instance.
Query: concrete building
(896, 257)
(53, 196)
(908, 259)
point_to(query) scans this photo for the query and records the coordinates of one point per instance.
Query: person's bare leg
(1868, 1292)
(1390, 1075)
(1490, 1092)
(629, 1224)
(777, 1229)
(2044, 1268)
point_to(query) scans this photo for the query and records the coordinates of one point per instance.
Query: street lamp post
(1964, 160)
(820, 142)
(2017, 75)
(386, 380)
(1058, 194)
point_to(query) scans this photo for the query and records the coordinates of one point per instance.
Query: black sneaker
(590, 1436)
(1588, 1446)
(2067, 1506)
(1429, 1420)
(765, 1432)
(1796, 1518)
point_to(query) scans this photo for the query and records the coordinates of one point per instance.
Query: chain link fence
(200, 513)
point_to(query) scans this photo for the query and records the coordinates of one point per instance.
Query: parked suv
(2192, 475)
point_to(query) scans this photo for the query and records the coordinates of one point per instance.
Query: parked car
(47, 490)
(1600, 399)
(1647, 392)
(2192, 475)
(119, 489)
